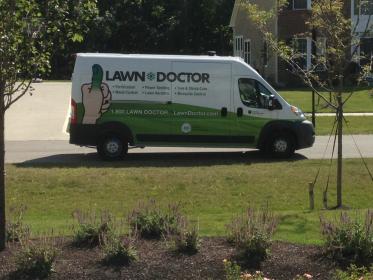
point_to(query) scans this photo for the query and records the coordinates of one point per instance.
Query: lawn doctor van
(196, 101)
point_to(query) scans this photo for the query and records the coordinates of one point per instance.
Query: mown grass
(361, 100)
(211, 191)
(355, 125)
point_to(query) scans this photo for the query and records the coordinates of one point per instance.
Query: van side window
(253, 93)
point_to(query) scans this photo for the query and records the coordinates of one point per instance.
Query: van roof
(160, 56)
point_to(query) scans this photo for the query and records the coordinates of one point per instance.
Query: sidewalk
(345, 114)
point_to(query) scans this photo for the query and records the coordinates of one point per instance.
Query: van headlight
(297, 112)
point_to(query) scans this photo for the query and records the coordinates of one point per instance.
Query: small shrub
(251, 233)
(91, 228)
(35, 260)
(153, 222)
(119, 252)
(187, 240)
(16, 230)
(232, 270)
(349, 239)
(354, 273)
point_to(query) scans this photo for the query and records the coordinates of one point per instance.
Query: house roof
(234, 13)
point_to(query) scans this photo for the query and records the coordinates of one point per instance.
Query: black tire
(112, 147)
(281, 145)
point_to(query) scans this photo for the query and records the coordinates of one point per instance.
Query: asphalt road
(60, 151)
(35, 131)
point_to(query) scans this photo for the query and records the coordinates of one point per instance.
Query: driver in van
(250, 96)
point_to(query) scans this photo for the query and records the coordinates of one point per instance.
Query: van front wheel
(112, 148)
(281, 146)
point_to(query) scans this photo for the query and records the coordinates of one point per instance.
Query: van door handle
(239, 112)
(224, 112)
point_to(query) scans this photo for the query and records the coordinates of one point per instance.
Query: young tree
(335, 66)
(25, 50)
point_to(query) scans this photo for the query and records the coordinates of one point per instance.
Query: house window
(301, 52)
(299, 4)
(247, 51)
(363, 7)
(238, 46)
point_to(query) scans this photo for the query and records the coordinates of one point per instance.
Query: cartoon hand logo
(96, 96)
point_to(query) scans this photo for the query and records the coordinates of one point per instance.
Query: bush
(91, 229)
(16, 230)
(35, 261)
(354, 273)
(349, 239)
(251, 233)
(118, 252)
(152, 222)
(187, 240)
(232, 270)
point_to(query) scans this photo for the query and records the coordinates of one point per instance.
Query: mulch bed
(156, 261)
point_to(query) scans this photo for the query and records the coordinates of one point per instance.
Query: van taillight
(73, 116)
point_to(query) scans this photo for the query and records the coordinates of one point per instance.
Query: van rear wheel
(112, 147)
(281, 145)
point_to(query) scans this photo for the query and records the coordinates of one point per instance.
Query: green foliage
(354, 273)
(35, 261)
(16, 230)
(91, 228)
(153, 222)
(34, 31)
(232, 270)
(349, 238)
(187, 240)
(23, 50)
(67, 25)
(251, 233)
(119, 251)
(133, 26)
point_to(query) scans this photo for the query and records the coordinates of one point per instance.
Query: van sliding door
(201, 100)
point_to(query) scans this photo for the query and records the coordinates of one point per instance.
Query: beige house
(249, 43)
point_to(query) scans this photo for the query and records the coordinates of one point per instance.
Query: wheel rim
(280, 146)
(113, 147)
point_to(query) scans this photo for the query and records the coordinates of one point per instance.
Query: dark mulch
(156, 261)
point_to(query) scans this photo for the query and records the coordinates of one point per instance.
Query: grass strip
(356, 125)
(211, 190)
(360, 102)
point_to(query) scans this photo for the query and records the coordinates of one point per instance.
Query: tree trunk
(2, 170)
(340, 150)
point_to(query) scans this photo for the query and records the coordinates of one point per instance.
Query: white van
(162, 100)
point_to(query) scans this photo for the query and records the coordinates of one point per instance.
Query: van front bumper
(305, 134)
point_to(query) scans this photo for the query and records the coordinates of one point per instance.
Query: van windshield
(253, 93)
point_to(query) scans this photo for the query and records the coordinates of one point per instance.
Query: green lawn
(211, 188)
(361, 101)
(356, 125)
